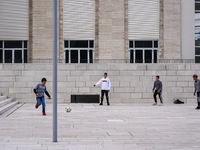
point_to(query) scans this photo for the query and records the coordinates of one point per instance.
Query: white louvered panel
(79, 19)
(143, 19)
(14, 19)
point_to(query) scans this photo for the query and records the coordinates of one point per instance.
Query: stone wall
(131, 83)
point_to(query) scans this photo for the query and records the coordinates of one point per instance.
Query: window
(197, 31)
(79, 51)
(13, 52)
(143, 51)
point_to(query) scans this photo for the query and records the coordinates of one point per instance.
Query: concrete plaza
(92, 127)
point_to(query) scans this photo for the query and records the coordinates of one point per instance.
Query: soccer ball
(68, 109)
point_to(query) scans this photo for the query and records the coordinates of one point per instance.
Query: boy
(39, 91)
(157, 89)
(197, 89)
(105, 88)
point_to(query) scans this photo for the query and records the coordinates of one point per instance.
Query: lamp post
(54, 70)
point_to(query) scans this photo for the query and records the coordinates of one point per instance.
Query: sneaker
(44, 114)
(161, 104)
(36, 106)
(197, 107)
(154, 104)
(108, 103)
(101, 104)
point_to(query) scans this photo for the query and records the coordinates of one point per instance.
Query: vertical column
(161, 32)
(188, 26)
(111, 29)
(172, 29)
(30, 41)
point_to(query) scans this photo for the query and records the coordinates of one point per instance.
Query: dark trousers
(102, 95)
(160, 96)
(198, 99)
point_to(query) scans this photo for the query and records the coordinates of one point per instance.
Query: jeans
(102, 95)
(41, 100)
(160, 96)
(198, 98)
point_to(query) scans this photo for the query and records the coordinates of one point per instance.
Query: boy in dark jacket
(157, 89)
(197, 89)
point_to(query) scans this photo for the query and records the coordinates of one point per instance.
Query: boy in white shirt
(105, 88)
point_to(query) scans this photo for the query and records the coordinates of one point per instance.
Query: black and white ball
(68, 109)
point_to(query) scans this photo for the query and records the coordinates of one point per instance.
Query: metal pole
(54, 70)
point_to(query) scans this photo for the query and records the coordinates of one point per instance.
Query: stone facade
(130, 83)
(41, 29)
(111, 29)
(172, 29)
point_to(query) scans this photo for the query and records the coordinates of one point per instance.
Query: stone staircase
(6, 104)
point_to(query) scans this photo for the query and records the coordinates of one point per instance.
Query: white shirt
(105, 83)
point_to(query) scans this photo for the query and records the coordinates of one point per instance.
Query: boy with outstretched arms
(105, 88)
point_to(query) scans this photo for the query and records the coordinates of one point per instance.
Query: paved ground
(91, 127)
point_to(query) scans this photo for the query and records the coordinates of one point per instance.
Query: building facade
(138, 31)
(131, 40)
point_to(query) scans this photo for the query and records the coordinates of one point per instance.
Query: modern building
(138, 31)
(133, 40)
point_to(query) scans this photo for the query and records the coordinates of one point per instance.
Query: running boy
(197, 89)
(39, 91)
(157, 89)
(105, 88)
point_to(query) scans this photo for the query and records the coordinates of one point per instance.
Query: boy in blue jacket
(39, 91)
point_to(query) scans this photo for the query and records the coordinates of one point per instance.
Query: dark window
(197, 42)
(66, 44)
(91, 44)
(138, 56)
(131, 56)
(197, 59)
(143, 44)
(197, 51)
(91, 56)
(130, 44)
(74, 56)
(66, 56)
(155, 56)
(1, 56)
(13, 44)
(155, 44)
(148, 56)
(78, 44)
(8, 56)
(18, 56)
(83, 56)
(25, 44)
(1, 44)
(197, 6)
(25, 56)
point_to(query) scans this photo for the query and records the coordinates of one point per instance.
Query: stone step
(7, 107)
(3, 98)
(5, 102)
(11, 110)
